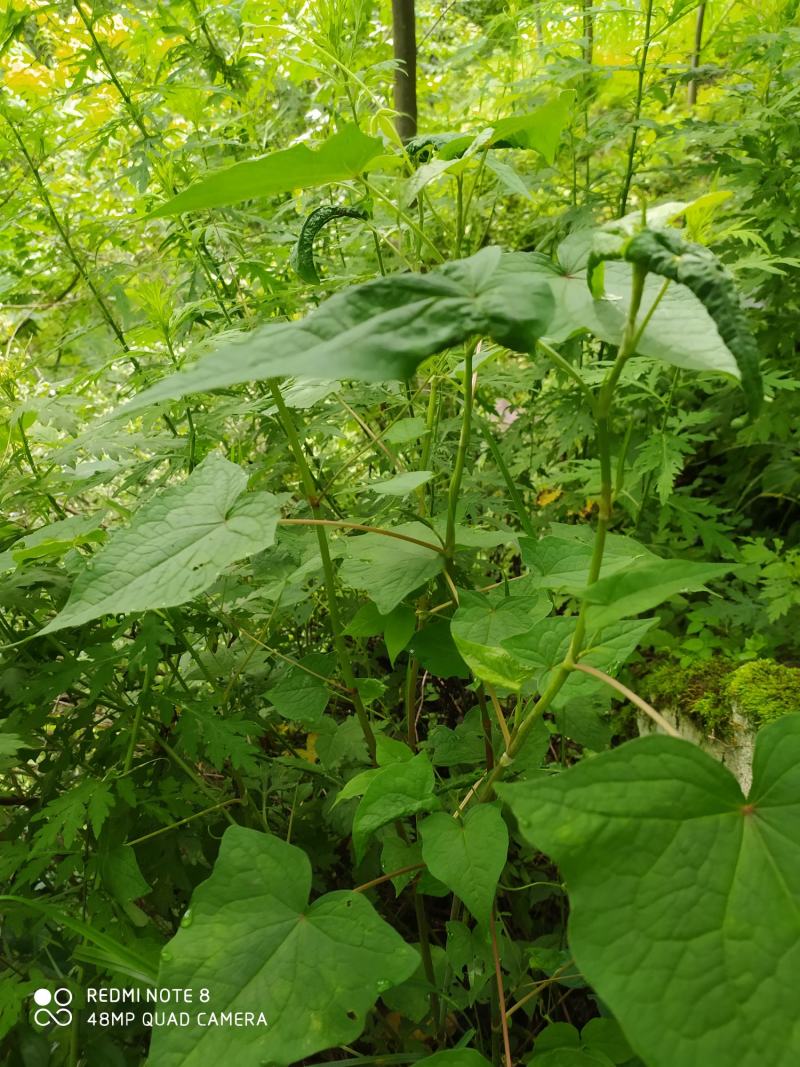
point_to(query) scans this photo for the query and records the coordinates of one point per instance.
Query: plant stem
(461, 456)
(634, 698)
(310, 490)
(501, 996)
(637, 112)
(602, 409)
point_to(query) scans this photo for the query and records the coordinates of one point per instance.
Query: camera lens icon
(61, 1015)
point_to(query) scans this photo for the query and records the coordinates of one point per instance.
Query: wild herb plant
(343, 530)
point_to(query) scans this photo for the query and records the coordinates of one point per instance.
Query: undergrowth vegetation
(364, 495)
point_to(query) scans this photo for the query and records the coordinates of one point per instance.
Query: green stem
(182, 822)
(310, 490)
(602, 408)
(184, 766)
(461, 456)
(637, 112)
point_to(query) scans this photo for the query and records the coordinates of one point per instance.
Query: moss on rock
(763, 690)
(706, 693)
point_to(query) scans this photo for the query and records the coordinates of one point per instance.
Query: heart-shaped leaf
(684, 911)
(251, 938)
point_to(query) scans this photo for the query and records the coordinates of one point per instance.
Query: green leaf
(683, 898)
(664, 252)
(341, 157)
(681, 332)
(561, 560)
(483, 623)
(302, 258)
(454, 1057)
(393, 792)
(540, 129)
(175, 547)
(381, 330)
(402, 484)
(121, 874)
(435, 649)
(467, 854)
(389, 569)
(646, 585)
(301, 695)
(251, 938)
(399, 626)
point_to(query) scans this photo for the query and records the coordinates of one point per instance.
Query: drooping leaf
(302, 257)
(561, 560)
(342, 156)
(467, 854)
(389, 569)
(683, 895)
(251, 937)
(175, 547)
(393, 792)
(665, 253)
(646, 585)
(382, 329)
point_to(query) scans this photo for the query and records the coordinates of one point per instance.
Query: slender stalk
(388, 877)
(501, 996)
(691, 94)
(461, 456)
(344, 525)
(637, 112)
(602, 410)
(629, 694)
(310, 490)
(182, 822)
(425, 951)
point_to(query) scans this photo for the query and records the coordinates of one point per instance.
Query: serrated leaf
(380, 330)
(467, 854)
(251, 937)
(674, 878)
(393, 792)
(175, 547)
(342, 156)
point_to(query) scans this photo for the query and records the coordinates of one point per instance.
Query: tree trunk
(698, 44)
(405, 75)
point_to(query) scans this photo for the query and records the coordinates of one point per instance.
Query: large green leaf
(175, 547)
(561, 560)
(665, 253)
(481, 625)
(392, 792)
(341, 157)
(467, 854)
(684, 331)
(387, 568)
(382, 329)
(684, 912)
(647, 584)
(251, 938)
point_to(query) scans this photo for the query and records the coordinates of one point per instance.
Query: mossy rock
(708, 692)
